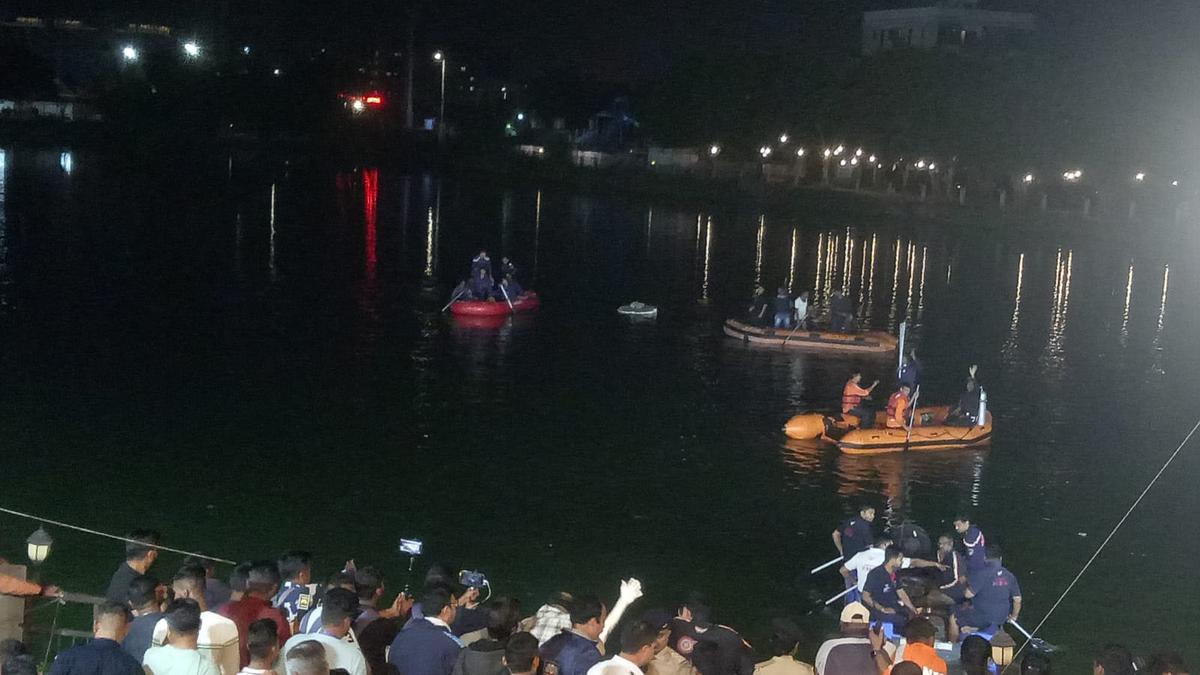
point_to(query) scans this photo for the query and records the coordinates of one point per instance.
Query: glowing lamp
(783, 138)
(871, 159)
(921, 164)
(839, 149)
(38, 546)
(1028, 178)
(246, 50)
(1002, 648)
(842, 163)
(357, 105)
(932, 166)
(1139, 176)
(828, 153)
(714, 150)
(275, 72)
(858, 152)
(129, 53)
(765, 151)
(520, 117)
(191, 50)
(438, 55)
(853, 161)
(373, 99)
(1174, 183)
(799, 152)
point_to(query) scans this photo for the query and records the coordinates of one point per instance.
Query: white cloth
(168, 660)
(338, 653)
(617, 665)
(801, 306)
(863, 562)
(217, 642)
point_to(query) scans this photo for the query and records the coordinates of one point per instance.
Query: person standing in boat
(897, 408)
(783, 309)
(910, 371)
(853, 397)
(482, 284)
(973, 542)
(481, 262)
(855, 534)
(801, 306)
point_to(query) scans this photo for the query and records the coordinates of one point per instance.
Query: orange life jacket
(897, 408)
(852, 395)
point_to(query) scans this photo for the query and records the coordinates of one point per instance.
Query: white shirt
(801, 306)
(339, 654)
(168, 660)
(218, 641)
(617, 665)
(863, 562)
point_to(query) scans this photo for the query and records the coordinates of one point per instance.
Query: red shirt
(248, 610)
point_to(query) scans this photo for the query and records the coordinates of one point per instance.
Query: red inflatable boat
(526, 303)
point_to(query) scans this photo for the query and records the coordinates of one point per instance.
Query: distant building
(947, 25)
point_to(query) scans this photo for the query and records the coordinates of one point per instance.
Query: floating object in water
(638, 309)
(929, 432)
(876, 342)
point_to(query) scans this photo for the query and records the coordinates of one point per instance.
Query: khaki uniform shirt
(669, 662)
(783, 665)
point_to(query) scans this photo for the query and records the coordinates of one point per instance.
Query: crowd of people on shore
(271, 618)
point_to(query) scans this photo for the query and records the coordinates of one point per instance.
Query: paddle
(831, 563)
(506, 298)
(457, 293)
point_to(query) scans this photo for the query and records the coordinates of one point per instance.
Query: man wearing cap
(851, 653)
(666, 661)
(783, 643)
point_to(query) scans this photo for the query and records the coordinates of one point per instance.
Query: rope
(113, 536)
(1104, 543)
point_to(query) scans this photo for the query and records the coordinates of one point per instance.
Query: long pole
(831, 563)
(442, 110)
(840, 595)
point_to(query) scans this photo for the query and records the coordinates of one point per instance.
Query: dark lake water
(252, 358)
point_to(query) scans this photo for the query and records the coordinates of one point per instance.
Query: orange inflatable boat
(929, 432)
(873, 342)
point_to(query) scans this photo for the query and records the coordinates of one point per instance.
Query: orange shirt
(923, 655)
(852, 395)
(897, 411)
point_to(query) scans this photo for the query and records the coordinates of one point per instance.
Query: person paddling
(897, 408)
(482, 284)
(510, 289)
(852, 400)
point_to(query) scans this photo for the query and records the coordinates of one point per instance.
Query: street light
(246, 50)
(520, 117)
(440, 57)
(191, 49)
(858, 152)
(827, 153)
(839, 149)
(921, 164)
(1028, 178)
(853, 161)
(783, 138)
(871, 159)
(799, 152)
(714, 150)
(277, 72)
(765, 151)
(129, 53)
(1139, 176)
(38, 545)
(932, 166)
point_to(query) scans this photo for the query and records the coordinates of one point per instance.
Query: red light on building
(373, 99)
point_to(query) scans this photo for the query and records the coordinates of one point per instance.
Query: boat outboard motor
(982, 419)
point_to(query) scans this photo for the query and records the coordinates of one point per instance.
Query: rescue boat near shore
(874, 342)
(528, 302)
(929, 432)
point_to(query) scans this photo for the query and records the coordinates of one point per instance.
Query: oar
(789, 337)
(510, 305)
(1037, 643)
(457, 293)
(912, 417)
(831, 563)
(841, 595)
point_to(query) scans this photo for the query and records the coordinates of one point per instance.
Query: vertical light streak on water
(848, 262)
(792, 262)
(537, 231)
(649, 227)
(430, 238)
(895, 285)
(911, 265)
(1053, 357)
(758, 248)
(871, 275)
(862, 276)
(1125, 310)
(707, 258)
(271, 251)
(1162, 315)
(921, 286)
(820, 261)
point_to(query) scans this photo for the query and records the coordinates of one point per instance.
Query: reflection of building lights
(783, 138)
(714, 150)
(191, 49)
(1139, 176)
(1028, 178)
(765, 151)
(799, 152)
(65, 160)
(129, 53)
(858, 152)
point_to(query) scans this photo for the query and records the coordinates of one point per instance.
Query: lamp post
(129, 54)
(826, 156)
(440, 57)
(191, 49)
(1002, 648)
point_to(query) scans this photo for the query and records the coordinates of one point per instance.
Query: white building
(948, 25)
